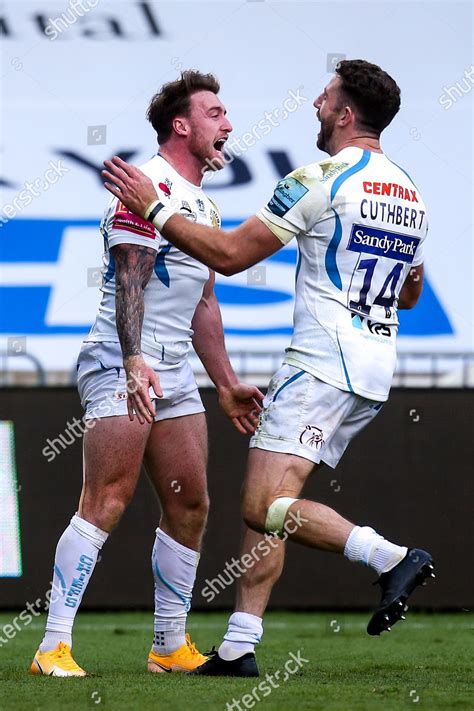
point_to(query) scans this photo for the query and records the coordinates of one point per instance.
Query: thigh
(176, 460)
(113, 453)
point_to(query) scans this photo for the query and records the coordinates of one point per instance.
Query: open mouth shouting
(220, 143)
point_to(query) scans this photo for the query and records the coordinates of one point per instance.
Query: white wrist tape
(150, 207)
(158, 214)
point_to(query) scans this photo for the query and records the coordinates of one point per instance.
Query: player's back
(360, 223)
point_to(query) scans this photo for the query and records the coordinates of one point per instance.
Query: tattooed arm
(134, 267)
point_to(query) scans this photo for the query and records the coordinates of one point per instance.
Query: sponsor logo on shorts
(121, 395)
(312, 436)
(392, 245)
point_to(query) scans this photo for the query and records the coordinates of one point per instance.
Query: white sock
(366, 546)
(76, 556)
(244, 631)
(174, 570)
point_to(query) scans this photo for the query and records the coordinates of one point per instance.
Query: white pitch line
(270, 625)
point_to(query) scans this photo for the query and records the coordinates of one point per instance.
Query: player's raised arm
(225, 252)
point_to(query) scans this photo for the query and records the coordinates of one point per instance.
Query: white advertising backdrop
(75, 90)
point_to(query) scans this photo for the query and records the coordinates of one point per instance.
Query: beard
(325, 133)
(211, 159)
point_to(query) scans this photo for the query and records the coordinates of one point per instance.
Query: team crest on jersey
(312, 436)
(126, 220)
(215, 219)
(287, 193)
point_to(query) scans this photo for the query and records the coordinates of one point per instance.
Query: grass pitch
(318, 661)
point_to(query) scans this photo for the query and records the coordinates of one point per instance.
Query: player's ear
(180, 126)
(347, 115)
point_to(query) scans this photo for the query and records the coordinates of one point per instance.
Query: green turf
(423, 663)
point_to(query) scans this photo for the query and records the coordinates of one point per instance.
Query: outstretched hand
(129, 184)
(242, 403)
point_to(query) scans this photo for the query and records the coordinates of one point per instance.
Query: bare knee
(105, 508)
(283, 478)
(194, 513)
(254, 511)
(185, 518)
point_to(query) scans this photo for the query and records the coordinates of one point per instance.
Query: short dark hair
(373, 93)
(173, 100)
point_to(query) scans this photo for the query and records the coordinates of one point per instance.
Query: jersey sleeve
(298, 202)
(122, 226)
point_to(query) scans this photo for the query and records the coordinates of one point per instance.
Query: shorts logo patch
(287, 193)
(120, 395)
(312, 436)
(392, 245)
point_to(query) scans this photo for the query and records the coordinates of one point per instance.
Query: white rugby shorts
(305, 416)
(102, 386)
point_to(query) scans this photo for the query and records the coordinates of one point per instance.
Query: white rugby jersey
(176, 284)
(360, 223)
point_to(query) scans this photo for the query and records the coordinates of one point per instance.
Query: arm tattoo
(134, 267)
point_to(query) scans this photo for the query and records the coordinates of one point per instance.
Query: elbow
(227, 270)
(408, 302)
(409, 298)
(227, 264)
